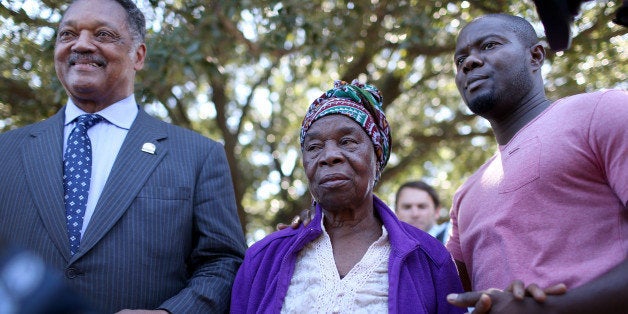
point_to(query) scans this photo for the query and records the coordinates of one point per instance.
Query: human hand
(296, 221)
(519, 290)
(304, 217)
(478, 299)
(512, 300)
(494, 301)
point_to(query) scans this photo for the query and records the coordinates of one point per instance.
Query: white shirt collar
(121, 114)
(436, 229)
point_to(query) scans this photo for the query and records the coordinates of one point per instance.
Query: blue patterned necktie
(77, 168)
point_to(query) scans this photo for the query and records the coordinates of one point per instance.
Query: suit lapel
(130, 171)
(43, 164)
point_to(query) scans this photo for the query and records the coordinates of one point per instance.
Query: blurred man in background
(418, 204)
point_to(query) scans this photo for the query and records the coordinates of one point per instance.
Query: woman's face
(339, 161)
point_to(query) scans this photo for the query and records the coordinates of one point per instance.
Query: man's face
(492, 67)
(417, 208)
(95, 55)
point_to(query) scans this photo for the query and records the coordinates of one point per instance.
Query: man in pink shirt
(550, 207)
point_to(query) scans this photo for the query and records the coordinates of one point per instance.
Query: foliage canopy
(244, 72)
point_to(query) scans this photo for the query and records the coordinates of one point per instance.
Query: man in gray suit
(156, 226)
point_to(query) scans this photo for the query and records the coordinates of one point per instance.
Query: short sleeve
(608, 138)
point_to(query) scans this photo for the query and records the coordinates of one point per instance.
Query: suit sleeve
(218, 241)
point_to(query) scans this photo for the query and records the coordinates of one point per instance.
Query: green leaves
(244, 72)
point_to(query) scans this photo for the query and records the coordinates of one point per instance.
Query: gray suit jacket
(165, 231)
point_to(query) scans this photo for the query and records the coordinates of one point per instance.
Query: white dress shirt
(106, 138)
(437, 229)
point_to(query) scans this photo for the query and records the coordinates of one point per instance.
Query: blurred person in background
(418, 204)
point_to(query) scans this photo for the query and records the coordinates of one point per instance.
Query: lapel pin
(149, 148)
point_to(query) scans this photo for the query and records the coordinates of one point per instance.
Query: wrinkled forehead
(335, 122)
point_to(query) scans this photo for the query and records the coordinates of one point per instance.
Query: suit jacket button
(71, 272)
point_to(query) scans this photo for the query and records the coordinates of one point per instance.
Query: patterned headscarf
(360, 102)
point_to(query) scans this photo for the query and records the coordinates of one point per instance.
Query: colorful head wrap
(360, 102)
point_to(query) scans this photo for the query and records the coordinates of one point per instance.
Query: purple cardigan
(421, 271)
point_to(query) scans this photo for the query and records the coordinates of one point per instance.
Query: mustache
(77, 57)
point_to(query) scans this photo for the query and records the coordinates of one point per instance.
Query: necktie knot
(86, 121)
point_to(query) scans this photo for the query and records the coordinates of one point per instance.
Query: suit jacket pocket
(521, 165)
(166, 193)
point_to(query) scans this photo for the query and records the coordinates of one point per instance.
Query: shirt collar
(436, 229)
(121, 114)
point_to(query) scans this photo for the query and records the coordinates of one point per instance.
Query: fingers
(466, 299)
(483, 305)
(296, 221)
(560, 288)
(540, 295)
(518, 289)
(303, 218)
(307, 221)
(307, 215)
(536, 292)
(294, 224)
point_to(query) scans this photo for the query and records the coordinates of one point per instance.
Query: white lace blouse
(316, 287)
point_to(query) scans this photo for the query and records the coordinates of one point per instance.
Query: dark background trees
(244, 72)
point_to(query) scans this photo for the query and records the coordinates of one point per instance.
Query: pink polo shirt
(549, 206)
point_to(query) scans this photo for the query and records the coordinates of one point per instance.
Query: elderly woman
(355, 255)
